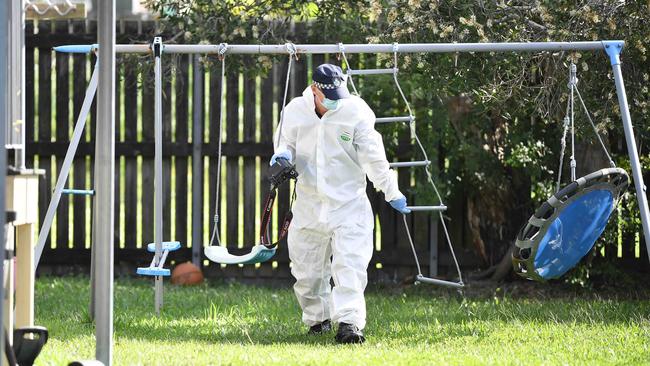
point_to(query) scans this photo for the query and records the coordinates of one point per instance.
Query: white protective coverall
(332, 216)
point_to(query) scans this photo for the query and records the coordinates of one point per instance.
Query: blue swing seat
(153, 270)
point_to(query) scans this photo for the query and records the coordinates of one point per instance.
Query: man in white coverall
(330, 136)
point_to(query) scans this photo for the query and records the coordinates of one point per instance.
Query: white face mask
(330, 104)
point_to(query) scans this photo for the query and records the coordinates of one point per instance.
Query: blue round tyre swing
(565, 228)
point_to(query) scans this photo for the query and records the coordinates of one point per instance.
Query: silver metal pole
(388, 48)
(614, 49)
(358, 48)
(103, 212)
(158, 182)
(16, 127)
(4, 121)
(197, 163)
(65, 167)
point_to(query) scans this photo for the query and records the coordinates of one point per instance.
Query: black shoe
(324, 327)
(349, 333)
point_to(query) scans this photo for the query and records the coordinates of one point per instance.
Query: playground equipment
(440, 208)
(105, 165)
(159, 247)
(565, 228)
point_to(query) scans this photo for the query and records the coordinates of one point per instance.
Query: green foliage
(518, 100)
(261, 22)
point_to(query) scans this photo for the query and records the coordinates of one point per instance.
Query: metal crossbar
(82, 192)
(374, 48)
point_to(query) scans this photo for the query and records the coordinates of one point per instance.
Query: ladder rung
(406, 164)
(371, 71)
(85, 192)
(427, 208)
(435, 281)
(394, 119)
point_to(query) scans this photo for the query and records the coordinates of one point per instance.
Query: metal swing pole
(613, 50)
(5, 92)
(158, 181)
(103, 212)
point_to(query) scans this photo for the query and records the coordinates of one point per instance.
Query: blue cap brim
(336, 94)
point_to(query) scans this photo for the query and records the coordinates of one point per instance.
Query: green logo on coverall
(346, 136)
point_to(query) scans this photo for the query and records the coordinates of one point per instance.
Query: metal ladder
(425, 163)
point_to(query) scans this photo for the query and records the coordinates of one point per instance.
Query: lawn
(219, 323)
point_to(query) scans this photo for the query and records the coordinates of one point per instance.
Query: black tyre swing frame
(529, 237)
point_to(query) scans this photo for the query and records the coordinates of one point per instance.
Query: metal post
(613, 50)
(197, 162)
(158, 182)
(103, 212)
(4, 120)
(16, 126)
(65, 167)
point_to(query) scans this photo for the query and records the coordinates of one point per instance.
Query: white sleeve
(287, 139)
(372, 158)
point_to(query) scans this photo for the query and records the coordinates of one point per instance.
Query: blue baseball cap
(332, 81)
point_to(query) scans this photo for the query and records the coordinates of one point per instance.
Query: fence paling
(131, 239)
(181, 163)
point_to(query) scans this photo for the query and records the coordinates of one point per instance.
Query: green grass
(220, 323)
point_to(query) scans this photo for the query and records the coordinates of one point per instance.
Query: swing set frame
(102, 225)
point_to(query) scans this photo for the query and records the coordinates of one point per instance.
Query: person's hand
(285, 154)
(400, 205)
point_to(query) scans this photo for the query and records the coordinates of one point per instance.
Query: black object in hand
(281, 172)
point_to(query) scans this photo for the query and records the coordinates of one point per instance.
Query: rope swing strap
(265, 232)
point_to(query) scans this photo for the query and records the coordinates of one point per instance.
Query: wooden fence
(55, 90)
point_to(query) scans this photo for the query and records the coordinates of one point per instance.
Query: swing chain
(569, 124)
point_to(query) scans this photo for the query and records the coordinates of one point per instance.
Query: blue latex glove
(400, 205)
(286, 154)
